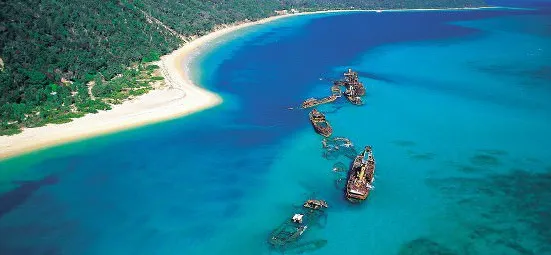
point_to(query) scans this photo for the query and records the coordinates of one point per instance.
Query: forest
(61, 59)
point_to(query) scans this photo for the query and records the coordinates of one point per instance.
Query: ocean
(457, 110)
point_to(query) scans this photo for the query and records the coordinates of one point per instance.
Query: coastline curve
(180, 97)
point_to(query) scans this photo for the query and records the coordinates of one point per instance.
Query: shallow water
(457, 111)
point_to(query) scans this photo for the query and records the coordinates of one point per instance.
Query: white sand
(181, 97)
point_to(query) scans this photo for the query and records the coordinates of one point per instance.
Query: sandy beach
(178, 98)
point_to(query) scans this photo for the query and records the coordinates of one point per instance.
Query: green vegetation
(61, 59)
(52, 50)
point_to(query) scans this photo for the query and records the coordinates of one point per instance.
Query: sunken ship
(335, 93)
(286, 236)
(361, 176)
(320, 123)
(354, 88)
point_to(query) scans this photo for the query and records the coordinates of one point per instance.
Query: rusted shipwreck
(354, 88)
(361, 176)
(286, 237)
(320, 123)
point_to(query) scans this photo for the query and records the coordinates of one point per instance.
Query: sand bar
(179, 98)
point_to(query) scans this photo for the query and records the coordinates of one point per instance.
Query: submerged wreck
(320, 123)
(311, 102)
(354, 88)
(336, 146)
(361, 176)
(352, 96)
(286, 236)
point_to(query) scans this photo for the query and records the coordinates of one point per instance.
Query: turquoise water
(457, 111)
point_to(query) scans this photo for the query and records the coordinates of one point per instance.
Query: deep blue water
(457, 110)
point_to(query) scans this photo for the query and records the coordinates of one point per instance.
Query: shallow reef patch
(469, 169)
(485, 160)
(421, 156)
(533, 160)
(424, 246)
(339, 167)
(494, 152)
(506, 213)
(404, 143)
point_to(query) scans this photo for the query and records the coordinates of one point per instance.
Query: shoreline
(180, 96)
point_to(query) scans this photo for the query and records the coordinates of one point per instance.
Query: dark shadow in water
(533, 160)
(421, 156)
(468, 92)
(31, 251)
(485, 160)
(340, 171)
(529, 77)
(231, 210)
(228, 195)
(335, 107)
(200, 232)
(469, 169)
(51, 233)
(374, 76)
(340, 167)
(25, 189)
(424, 246)
(543, 73)
(494, 152)
(404, 143)
(12, 199)
(336, 146)
(506, 213)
